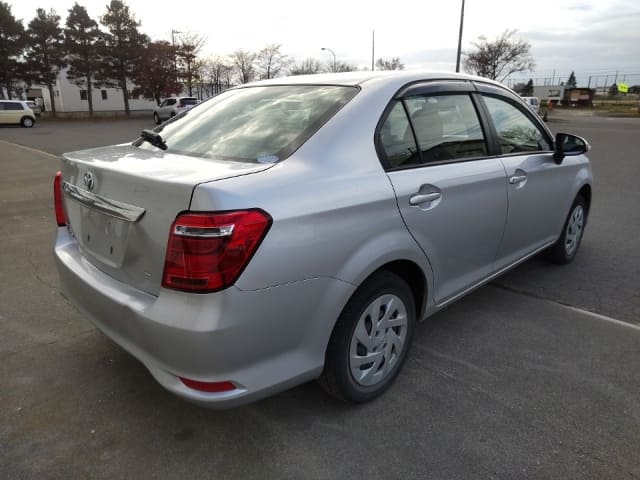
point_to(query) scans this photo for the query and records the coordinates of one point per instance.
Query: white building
(70, 98)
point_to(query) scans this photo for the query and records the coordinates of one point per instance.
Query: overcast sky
(588, 36)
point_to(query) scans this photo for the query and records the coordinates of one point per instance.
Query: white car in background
(533, 102)
(16, 112)
(171, 107)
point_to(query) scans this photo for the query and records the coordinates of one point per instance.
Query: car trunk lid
(121, 201)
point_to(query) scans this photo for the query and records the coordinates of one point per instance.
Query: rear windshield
(253, 124)
(189, 101)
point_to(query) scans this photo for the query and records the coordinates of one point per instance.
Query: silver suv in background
(299, 228)
(172, 107)
(34, 107)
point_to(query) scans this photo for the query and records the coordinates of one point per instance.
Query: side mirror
(568, 145)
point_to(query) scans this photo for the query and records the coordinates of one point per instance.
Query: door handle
(423, 198)
(517, 179)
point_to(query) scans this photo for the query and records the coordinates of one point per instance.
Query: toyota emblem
(89, 180)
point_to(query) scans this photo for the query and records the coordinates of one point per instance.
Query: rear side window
(445, 127)
(397, 140)
(516, 131)
(13, 106)
(254, 124)
(189, 101)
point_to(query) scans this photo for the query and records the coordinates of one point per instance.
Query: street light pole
(173, 44)
(334, 56)
(460, 38)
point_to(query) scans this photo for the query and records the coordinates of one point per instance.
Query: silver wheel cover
(378, 340)
(575, 225)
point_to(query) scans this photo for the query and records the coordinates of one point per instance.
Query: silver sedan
(297, 229)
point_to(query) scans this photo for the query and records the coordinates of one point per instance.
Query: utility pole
(373, 49)
(589, 84)
(460, 38)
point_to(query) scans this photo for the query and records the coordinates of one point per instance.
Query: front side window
(516, 132)
(446, 127)
(254, 124)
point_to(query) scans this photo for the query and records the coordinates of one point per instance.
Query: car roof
(400, 78)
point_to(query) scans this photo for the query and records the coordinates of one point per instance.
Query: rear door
(450, 192)
(535, 184)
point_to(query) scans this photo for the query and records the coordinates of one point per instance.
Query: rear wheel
(156, 118)
(566, 248)
(27, 122)
(371, 339)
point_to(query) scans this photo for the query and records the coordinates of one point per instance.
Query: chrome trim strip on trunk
(113, 208)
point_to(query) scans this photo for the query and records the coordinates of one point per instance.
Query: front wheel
(156, 118)
(566, 248)
(371, 339)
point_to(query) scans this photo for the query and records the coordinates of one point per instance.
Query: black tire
(337, 378)
(27, 122)
(565, 250)
(156, 118)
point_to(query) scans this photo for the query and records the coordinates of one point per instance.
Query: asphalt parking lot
(534, 376)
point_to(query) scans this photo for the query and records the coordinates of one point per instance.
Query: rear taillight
(61, 217)
(208, 251)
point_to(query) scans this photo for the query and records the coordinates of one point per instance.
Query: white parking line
(602, 317)
(35, 150)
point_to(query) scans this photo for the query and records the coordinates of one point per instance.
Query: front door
(534, 182)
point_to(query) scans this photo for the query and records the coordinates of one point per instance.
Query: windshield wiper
(153, 138)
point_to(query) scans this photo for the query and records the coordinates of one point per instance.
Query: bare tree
(340, 67)
(393, 64)
(244, 63)
(499, 58)
(308, 66)
(216, 71)
(187, 52)
(271, 61)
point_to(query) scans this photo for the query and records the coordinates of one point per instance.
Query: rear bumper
(263, 341)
